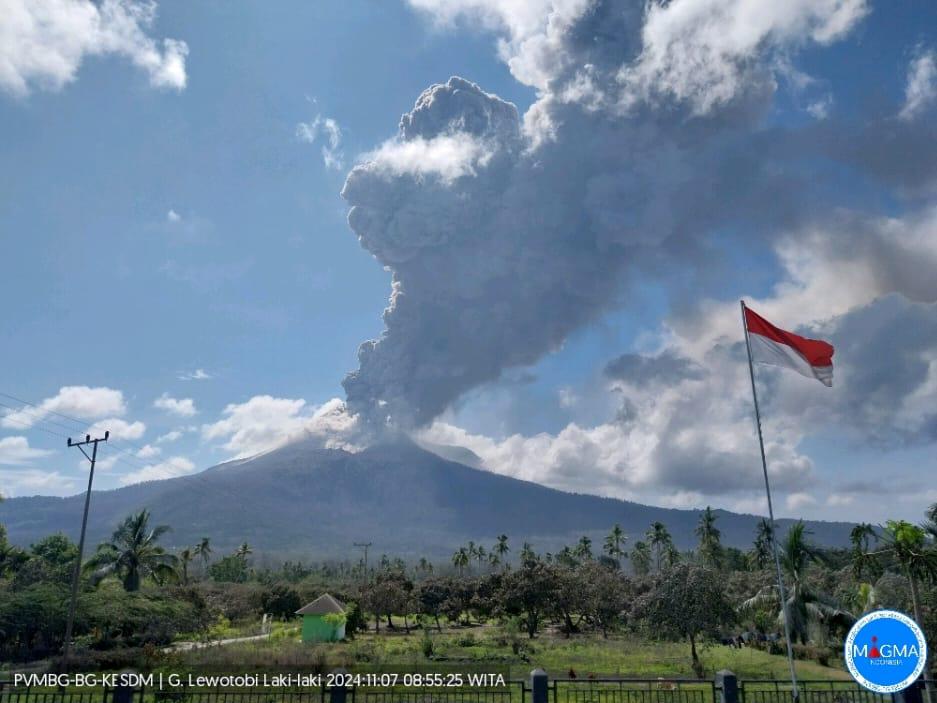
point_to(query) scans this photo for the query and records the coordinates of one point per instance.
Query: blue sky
(153, 229)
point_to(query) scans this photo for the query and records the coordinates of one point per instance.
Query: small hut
(323, 620)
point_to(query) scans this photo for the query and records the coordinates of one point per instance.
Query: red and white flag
(812, 358)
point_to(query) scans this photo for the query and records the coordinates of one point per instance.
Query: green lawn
(486, 646)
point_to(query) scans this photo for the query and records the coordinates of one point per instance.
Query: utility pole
(365, 546)
(81, 541)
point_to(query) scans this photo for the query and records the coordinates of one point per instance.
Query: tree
(761, 555)
(641, 558)
(203, 549)
(804, 603)
(432, 596)
(281, 601)
(710, 547)
(502, 547)
(460, 559)
(243, 551)
(133, 553)
(660, 541)
(528, 593)
(185, 556)
(861, 537)
(606, 594)
(229, 569)
(918, 560)
(613, 542)
(583, 548)
(689, 602)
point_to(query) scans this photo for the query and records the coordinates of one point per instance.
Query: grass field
(484, 645)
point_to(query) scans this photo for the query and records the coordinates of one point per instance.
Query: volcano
(304, 502)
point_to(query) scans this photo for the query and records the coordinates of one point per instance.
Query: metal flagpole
(774, 531)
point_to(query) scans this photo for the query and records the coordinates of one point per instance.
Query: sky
(543, 213)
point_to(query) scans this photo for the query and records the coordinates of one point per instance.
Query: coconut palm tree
(461, 559)
(710, 546)
(761, 555)
(502, 548)
(613, 542)
(641, 558)
(861, 537)
(203, 549)
(583, 548)
(804, 605)
(133, 553)
(659, 540)
(185, 556)
(918, 559)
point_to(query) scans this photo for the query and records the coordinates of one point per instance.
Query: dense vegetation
(135, 597)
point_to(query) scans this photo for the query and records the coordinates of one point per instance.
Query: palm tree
(461, 559)
(804, 605)
(710, 547)
(527, 553)
(641, 558)
(761, 554)
(909, 545)
(185, 556)
(861, 537)
(502, 548)
(243, 551)
(613, 543)
(493, 560)
(583, 548)
(203, 549)
(659, 540)
(480, 555)
(133, 553)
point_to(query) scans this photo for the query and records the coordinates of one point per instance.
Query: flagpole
(774, 541)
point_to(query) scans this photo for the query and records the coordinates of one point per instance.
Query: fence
(724, 688)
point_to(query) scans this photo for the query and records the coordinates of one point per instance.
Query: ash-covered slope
(306, 502)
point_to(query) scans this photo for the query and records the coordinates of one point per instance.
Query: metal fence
(538, 689)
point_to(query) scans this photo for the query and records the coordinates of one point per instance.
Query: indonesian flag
(772, 345)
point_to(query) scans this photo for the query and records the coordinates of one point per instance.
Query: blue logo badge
(885, 651)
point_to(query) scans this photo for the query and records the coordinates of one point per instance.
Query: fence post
(538, 686)
(727, 684)
(338, 694)
(122, 693)
(912, 694)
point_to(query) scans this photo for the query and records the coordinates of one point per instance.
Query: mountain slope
(306, 502)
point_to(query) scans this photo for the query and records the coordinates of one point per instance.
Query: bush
(426, 644)
(281, 601)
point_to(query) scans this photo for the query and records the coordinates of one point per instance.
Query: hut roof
(322, 605)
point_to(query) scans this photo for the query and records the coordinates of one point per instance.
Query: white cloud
(44, 42)
(15, 451)
(170, 436)
(170, 468)
(329, 132)
(26, 482)
(197, 375)
(184, 407)
(77, 401)
(173, 216)
(148, 451)
(921, 88)
(799, 501)
(119, 429)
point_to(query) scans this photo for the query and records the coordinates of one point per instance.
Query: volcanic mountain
(302, 501)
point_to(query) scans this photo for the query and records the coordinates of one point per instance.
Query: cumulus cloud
(327, 131)
(81, 402)
(15, 451)
(43, 44)
(148, 451)
(264, 422)
(170, 468)
(26, 482)
(169, 437)
(921, 88)
(119, 429)
(183, 407)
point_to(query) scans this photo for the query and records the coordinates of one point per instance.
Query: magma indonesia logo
(885, 651)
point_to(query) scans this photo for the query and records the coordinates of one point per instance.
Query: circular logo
(885, 651)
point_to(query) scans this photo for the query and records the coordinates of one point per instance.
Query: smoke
(504, 234)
